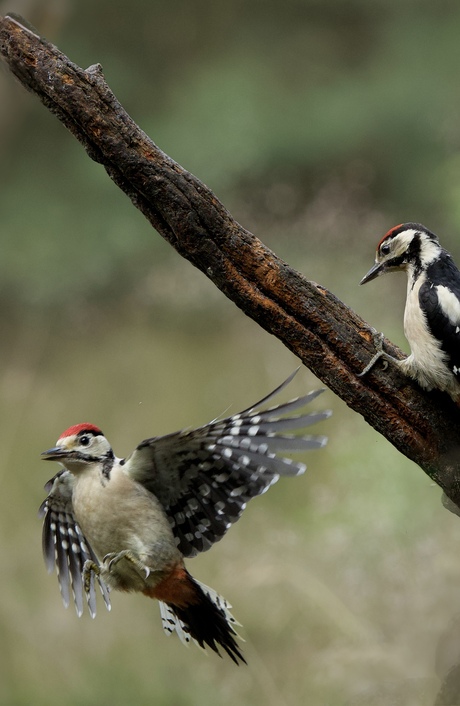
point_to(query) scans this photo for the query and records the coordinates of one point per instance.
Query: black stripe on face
(413, 254)
(107, 463)
(396, 261)
(86, 458)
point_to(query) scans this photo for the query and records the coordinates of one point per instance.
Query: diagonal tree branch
(326, 335)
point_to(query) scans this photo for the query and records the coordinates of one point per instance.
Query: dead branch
(326, 335)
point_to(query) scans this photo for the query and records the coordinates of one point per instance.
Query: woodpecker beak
(375, 271)
(55, 454)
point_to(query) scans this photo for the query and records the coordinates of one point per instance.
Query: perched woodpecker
(432, 313)
(129, 523)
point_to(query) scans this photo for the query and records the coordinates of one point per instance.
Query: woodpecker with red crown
(432, 313)
(128, 524)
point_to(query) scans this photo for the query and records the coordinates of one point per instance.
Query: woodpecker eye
(385, 249)
(85, 440)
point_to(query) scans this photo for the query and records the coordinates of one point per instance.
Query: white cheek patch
(450, 305)
(402, 242)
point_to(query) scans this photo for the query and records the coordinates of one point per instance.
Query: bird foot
(112, 559)
(89, 568)
(387, 358)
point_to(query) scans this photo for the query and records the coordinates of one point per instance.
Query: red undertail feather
(192, 609)
(176, 589)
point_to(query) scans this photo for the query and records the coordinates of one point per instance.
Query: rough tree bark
(326, 335)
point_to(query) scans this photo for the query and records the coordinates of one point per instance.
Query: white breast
(120, 514)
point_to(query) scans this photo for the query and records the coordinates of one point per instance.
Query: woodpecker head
(80, 447)
(409, 245)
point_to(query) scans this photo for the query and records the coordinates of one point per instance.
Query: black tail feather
(209, 622)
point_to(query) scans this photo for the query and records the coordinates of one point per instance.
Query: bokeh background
(320, 124)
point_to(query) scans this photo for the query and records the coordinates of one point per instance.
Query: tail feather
(171, 623)
(207, 621)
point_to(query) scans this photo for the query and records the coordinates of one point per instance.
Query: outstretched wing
(64, 545)
(205, 477)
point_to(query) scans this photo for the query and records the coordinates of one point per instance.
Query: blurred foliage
(320, 124)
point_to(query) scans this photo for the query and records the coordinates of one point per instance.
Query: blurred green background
(319, 124)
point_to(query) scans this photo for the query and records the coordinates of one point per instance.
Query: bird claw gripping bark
(378, 339)
(111, 560)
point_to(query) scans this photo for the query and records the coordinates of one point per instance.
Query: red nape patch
(78, 428)
(389, 234)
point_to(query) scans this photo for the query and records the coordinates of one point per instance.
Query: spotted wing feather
(64, 546)
(205, 477)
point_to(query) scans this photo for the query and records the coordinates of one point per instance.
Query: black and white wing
(64, 545)
(205, 477)
(439, 299)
